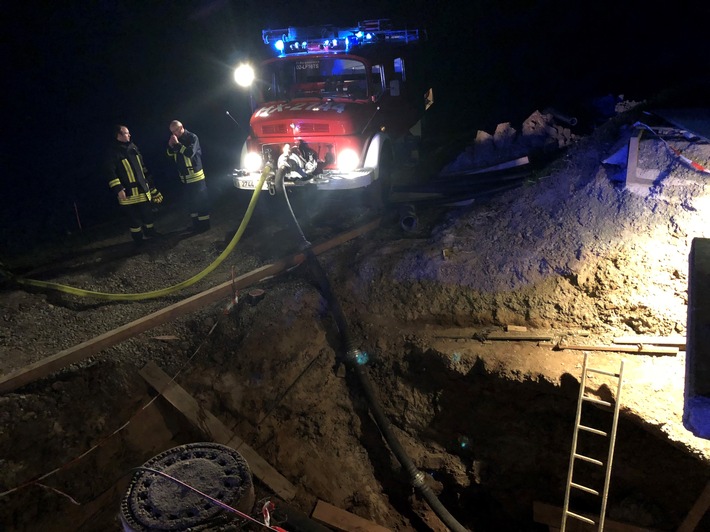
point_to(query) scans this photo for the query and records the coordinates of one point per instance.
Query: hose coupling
(357, 357)
(418, 479)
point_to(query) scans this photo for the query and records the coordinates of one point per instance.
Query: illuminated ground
(490, 422)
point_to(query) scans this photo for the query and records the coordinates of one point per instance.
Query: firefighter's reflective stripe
(134, 185)
(192, 177)
(132, 200)
(129, 171)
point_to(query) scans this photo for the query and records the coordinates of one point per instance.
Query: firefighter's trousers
(199, 204)
(140, 219)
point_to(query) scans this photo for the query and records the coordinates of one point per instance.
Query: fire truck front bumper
(335, 180)
(328, 180)
(248, 180)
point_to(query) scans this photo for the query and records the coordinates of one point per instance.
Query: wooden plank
(338, 519)
(214, 429)
(639, 349)
(697, 512)
(520, 161)
(673, 341)
(463, 333)
(518, 335)
(516, 328)
(547, 514)
(54, 363)
(633, 157)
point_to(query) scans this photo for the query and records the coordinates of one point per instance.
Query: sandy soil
(571, 252)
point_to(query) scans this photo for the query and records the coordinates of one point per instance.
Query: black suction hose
(355, 359)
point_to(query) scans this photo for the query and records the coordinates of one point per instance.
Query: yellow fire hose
(170, 289)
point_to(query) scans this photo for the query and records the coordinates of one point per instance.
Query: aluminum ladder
(585, 398)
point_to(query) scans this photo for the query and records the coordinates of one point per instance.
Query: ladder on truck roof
(591, 432)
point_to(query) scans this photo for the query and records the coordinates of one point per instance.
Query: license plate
(246, 184)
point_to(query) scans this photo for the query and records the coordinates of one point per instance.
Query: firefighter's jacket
(126, 171)
(188, 156)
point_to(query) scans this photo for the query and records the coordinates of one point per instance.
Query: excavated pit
(571, 252)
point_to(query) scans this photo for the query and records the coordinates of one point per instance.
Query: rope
(66, 465)
(693, 164)
(211, 499)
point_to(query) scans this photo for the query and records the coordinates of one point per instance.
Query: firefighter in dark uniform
(184, 148)
(130, 181)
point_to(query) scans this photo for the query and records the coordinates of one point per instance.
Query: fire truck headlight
(348, 160)
(252, 162)
(244, 75)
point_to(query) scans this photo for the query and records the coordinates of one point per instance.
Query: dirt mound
(489, 423)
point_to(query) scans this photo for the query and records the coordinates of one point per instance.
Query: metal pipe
(408, 217)
(561, 117)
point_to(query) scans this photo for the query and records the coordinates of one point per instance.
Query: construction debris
(540, 133)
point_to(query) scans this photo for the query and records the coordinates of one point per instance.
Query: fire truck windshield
(314, 77)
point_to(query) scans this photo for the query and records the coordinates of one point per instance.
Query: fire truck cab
(332, 108)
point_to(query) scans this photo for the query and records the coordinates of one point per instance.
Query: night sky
(74, 69)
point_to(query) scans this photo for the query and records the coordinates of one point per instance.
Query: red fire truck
(334, 106)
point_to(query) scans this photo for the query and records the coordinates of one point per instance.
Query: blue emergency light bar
(314, 39)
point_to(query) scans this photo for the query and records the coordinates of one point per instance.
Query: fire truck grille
(274, 129)
(283, 129)
(314, 128)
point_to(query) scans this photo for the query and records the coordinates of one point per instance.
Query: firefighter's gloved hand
(156, 197)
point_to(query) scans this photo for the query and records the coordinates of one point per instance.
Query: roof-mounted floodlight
(244, 75)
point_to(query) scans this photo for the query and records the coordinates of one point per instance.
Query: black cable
(355, 359)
